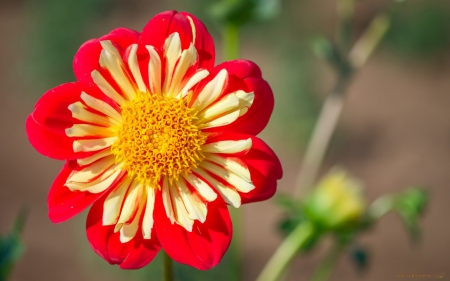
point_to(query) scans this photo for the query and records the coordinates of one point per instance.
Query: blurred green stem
(326, 267)
(369, 41)
(168, 267)
(230, 41)
(286, 252)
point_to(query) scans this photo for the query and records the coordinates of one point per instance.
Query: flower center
(158, 138)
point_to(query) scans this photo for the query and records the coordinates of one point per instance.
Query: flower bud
(337, 200)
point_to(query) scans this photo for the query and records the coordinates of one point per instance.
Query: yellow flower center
(158, 138)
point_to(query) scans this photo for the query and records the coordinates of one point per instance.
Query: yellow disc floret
(157, 138)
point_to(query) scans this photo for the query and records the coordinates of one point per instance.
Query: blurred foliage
(11, 246)
(421, 30)
(242, 12)
(56, 31)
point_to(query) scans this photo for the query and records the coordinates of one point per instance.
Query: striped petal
(228, 146)
(111, 60)
(147, 222)
(134, 68)
(211, 91)
(228, 176)
(113, 203)
(228, 194)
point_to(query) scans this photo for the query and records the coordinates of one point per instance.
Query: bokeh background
(395, 130)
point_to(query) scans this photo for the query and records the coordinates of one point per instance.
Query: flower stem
(286, 252)
(168, 267)
(326, 267)
(230, 41)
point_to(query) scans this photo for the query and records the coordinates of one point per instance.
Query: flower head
(158, 140)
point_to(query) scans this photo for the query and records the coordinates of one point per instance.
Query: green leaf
(11, 247)
(411, 205)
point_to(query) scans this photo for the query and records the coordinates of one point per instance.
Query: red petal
(203, 43)
(46, 125)
(47, 142)
(265, 169)
(264, 166)
(204, 247)
(164, 24)
(87, 57)
(246, 75)
(131, 255)
(63, 203)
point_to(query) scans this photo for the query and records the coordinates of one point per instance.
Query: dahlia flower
(158, 140)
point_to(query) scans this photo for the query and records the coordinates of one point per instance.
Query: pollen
(158, 138)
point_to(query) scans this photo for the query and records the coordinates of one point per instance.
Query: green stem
(168, 267)
(230, 41)
(326, 268)
(286, 252)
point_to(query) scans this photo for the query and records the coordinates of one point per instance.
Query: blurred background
(395, 130)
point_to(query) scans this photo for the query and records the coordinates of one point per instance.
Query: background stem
(230, 41)
(332, 108)
(168, 267)
(315, 152)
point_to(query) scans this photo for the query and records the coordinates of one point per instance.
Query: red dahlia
(158, 140)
